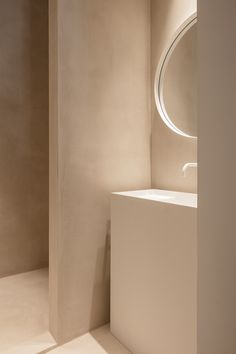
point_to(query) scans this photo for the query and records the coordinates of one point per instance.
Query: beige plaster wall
(100, 90)
(23, 135)
(217, 175)
(54, 194)
(169, 150)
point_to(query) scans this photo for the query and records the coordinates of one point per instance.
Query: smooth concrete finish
(24, 312)
(23, 135)
(54, 200)
(100, 142)
(99, 341)
(217, 176)
(154, 275)
(169, 150)
(37, 345)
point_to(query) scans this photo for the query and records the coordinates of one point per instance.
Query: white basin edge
(163, 196)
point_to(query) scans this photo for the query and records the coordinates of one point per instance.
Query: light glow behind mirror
(158, 89)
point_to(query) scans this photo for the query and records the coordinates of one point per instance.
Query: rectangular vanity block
(154, 271)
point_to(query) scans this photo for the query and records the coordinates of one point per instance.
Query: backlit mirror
(176, 81)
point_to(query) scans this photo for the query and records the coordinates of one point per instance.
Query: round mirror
(176, 81)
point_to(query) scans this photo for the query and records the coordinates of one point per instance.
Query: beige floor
(99, 341)
(24, 313)
(24, 321)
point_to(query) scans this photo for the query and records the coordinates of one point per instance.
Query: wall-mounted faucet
(188, 165)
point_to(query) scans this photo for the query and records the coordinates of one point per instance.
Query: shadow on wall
(101, 284)
(108, 343)
(23, 136)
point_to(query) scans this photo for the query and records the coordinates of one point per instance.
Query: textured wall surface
(169, 150)
(217, 174)
(23, 135)
(100, 89)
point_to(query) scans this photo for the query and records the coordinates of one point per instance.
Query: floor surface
(24, 313)
(24, 321)
(99, 341)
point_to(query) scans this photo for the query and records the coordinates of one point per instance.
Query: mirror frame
(160, 72)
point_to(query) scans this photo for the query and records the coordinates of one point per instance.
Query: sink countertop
(163, 196)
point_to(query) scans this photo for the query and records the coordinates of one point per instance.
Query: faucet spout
(187, 166)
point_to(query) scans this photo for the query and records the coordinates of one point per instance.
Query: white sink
(154, 271)
(178, 198)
